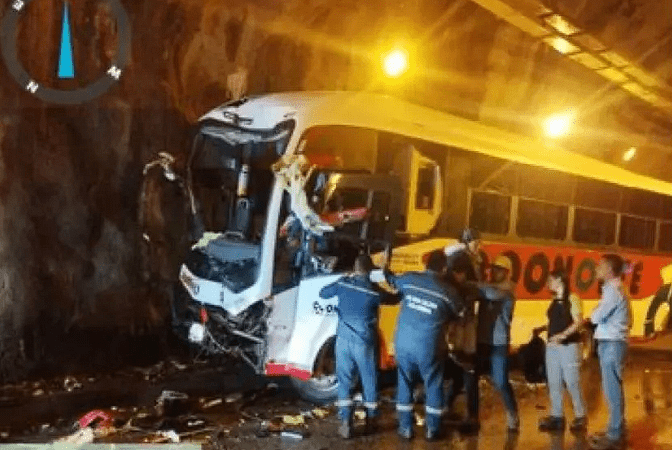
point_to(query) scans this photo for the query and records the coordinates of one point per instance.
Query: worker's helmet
(469, 234)
(503, 262)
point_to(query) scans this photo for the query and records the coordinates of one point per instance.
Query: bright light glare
(559, 125)
(395, 63)
(629, 154)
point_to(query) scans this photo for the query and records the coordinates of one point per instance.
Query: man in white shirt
(612, 317)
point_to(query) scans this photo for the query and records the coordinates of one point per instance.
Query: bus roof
(389, 114)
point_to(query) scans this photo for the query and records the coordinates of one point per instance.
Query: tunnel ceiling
(609, 60)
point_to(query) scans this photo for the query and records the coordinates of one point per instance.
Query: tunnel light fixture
(629, 154)
(395, 62)
(561, 25)
(558, 125)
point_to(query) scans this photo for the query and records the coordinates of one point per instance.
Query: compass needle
(66, 65)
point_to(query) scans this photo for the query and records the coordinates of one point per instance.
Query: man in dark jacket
(427, 304)
(356, 340)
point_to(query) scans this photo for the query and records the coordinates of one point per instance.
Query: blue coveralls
(356, 341)
(427, 303)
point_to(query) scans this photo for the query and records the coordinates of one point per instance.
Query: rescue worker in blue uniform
(356, 342)
(427, 304)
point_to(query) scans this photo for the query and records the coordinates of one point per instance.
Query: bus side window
(490, 212)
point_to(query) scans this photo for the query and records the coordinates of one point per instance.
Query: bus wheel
(322, 388)
(660, 306)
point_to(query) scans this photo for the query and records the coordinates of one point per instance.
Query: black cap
(436, 261)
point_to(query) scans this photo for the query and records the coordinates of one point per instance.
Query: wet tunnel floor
(229, 407)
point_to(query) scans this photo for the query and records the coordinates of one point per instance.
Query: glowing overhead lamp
(558, 125)
(395, 63)
(629, 154)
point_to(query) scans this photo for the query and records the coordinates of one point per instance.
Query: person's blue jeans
(563, 365)
(612, 355)
(353, 356)
(429, 367)
(494, 360)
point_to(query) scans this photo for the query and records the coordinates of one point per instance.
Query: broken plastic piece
(294, 180)
(101, 418)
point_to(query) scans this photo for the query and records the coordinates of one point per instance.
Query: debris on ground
(293, 420)
(320, 413)
(211, 403)
(419, 420)
(70, 384)
(80, 437)
(234, 397)
(38, 392)
(172, 403)
(295, 435)
(360, 415)
(96, 417)
(170, 435)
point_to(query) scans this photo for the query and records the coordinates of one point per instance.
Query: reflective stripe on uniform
(429, 292)
(357, 288)
(404, 408)
(371, 405)
(433, 411)
(342, 403)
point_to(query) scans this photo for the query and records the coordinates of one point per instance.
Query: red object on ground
(92, 416)
(204, 315)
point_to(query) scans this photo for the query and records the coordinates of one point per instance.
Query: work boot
(432, 435)
(345, 429)
(512, 422)
(470, 426)
(552, 423)
(603, 442)
(579, 425)
(405, 433)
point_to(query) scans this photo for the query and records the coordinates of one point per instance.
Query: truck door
(423, 191)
